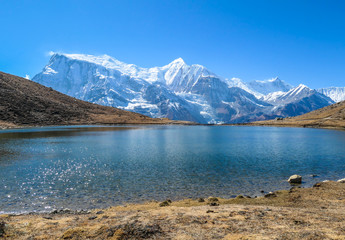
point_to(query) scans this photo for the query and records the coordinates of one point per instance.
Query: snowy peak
(178, 61)
(104, 60)
(176, 74)
(268, 86)
(298, 93)
(274, 79)
(299, 89)
(180, 77)
(337, 94)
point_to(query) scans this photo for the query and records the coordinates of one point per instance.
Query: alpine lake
(87, 167)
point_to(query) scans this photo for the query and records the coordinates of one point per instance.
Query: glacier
(177, 90)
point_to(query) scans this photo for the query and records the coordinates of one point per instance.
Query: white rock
(295, 179)
(341, 180)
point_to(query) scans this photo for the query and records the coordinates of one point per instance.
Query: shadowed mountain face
(23, 102)
(177, 90)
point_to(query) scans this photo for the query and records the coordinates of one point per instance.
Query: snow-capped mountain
(297, 101)
(262, 88)
(177, 90)
(107, 81)
(337, 94)
(295, 94)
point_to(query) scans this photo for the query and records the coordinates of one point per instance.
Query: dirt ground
(299, 213)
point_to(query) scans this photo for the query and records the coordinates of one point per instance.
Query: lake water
(91, 167)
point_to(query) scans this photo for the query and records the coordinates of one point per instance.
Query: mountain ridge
(176, 90)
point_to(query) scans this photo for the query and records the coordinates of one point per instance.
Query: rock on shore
(295, 179)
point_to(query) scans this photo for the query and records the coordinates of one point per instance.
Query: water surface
(90, 167)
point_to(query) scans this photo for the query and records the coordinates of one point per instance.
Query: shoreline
(259, 194)
(303, 213)
(181, 123)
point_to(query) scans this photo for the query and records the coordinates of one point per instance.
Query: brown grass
(332, 116)
(313, 213)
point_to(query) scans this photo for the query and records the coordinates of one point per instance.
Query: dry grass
(314, 213)
(332, 116)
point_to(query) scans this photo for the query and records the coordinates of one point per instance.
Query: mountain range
(179, 91)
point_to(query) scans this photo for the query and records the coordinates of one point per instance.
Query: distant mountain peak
(104, 60)
(337, 94)
(302, 86)
(178, 60)
(264, 87)
(275, 79)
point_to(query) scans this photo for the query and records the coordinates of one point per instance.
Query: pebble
(270, 195)
(164, 204)
(213, 204)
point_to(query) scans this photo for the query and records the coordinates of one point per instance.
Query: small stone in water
(295, 179)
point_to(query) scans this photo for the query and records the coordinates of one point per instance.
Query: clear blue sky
(299, 41)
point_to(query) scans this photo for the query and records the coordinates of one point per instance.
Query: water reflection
(57, 132)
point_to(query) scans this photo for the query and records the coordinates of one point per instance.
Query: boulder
(164, 204)
(341, 180)
(295, 179)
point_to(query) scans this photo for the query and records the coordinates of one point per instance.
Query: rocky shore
(298, 213)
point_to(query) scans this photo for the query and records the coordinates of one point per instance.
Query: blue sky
(299, 41)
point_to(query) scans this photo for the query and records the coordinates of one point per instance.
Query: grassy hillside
(332, 116)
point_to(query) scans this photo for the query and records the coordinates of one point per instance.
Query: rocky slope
(23, 102)
(177, 90)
